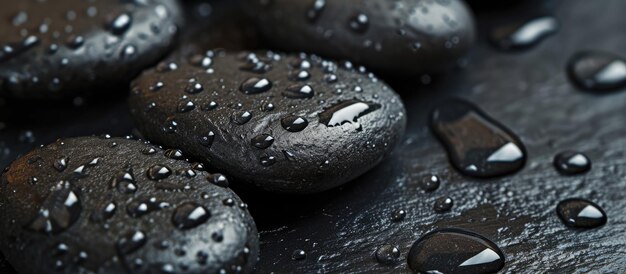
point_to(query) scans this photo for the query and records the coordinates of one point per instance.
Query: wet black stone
(524, 35)
(262, 114)
(597, 71)
(571, 163)
(79, 47)
(455, 251)
(80, 212)
(377, 34)
(580, 213)
(477, 145)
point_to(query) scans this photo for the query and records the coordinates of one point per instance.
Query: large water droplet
(525, 35)
(294, 123)
(430, 183)
(477, 145)
(255, 85)
(299, 92)
(571, 163)
(597, 71)
(262, 141)
(120, 24)
(190, 215)
(59, 211)
(131, 242)
(125, 182)
(159, 172)
(346, 112)
(241, 118)
(455, 251)
(581, 213)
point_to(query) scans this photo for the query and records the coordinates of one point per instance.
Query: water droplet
(580, 213)
(142, 207)
(387, 254)
(75, 41)
(443, 204)
(314, 12)
(131, 242)
(455, 251)
(190, 215)
(359, 23)
(430, 183)
(194, 88)
(301, 75)
(524, 35)
(210, 106)
(59, 211)
(255, 85)
(262, 141)
(398, 215)
(267, 161)
(174, 154)
(346, 112)
(218, 180)
(241, 118)
(201, 61)
(571, 163)
(477, 145)
(597, 71)
(106, 212)
(185, 106)
(120, 24)
(159, 172)
(125, 182)
(60, 164)
(298, 255)
(207, 141)
(299, 92)
(294, 123)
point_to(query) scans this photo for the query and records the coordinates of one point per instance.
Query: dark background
(527, 91)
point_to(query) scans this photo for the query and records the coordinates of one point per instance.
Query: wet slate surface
(528, 92)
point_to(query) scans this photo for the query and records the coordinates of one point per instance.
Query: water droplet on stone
(241, 118)
(142, 207)
(131, 242)
(267, 161)
(299, 92)
(314, 12)
(398, 215)
(189, 215)
(387, 254)
(218, 179)
(524, 35)
(120, 24)
(346, 112)
(255, 85)
(298, 255)
(359, 23)
(571, 163)
(580, 213)
(125, 182)
(159, 172)
(430, 183)
(262, 141)
(443, 204)
(597, 71)
(294, 123)
(455, 251)
(477, 145)
(59, 211)
(60, 164)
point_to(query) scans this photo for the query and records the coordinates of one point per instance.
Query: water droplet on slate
(314, 12)
(298, 255)
(207, 141)
(60, 164)
(267, 161)
(387, 254)
(185, 106)
(346, 112)
(525, 35)
(189, 215)
(174, 154)
(131, 242)
(301, 75)
(105, 213)
(255, 85)
(477, 145)
(597, 71)
(294, 123)
(571, 163)
(241, 118)
(262, 141)
(194, 88)
(358, 23)
(159, 172)
(201, 61)
(580, 213)
(398, 215)
(59, 211)
(443, 204)
(430, 183)
(299, 92)
(455, 251)
(210, 106)
(218, 179)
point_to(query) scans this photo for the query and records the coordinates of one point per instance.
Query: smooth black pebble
(477, 145)
(78, 221)
(581, 213)
(397, 37)
(269, 129)
(524, 35)
(571, 163)
(455, 251)
(51, 49)
(597, 71)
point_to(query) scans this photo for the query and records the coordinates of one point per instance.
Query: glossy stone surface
(78, 220)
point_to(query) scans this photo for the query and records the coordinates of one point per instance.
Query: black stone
(77, 47)
(403, 37)
(331, 137)
(80, 212)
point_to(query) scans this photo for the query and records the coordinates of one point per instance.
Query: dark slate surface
(529, 92)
